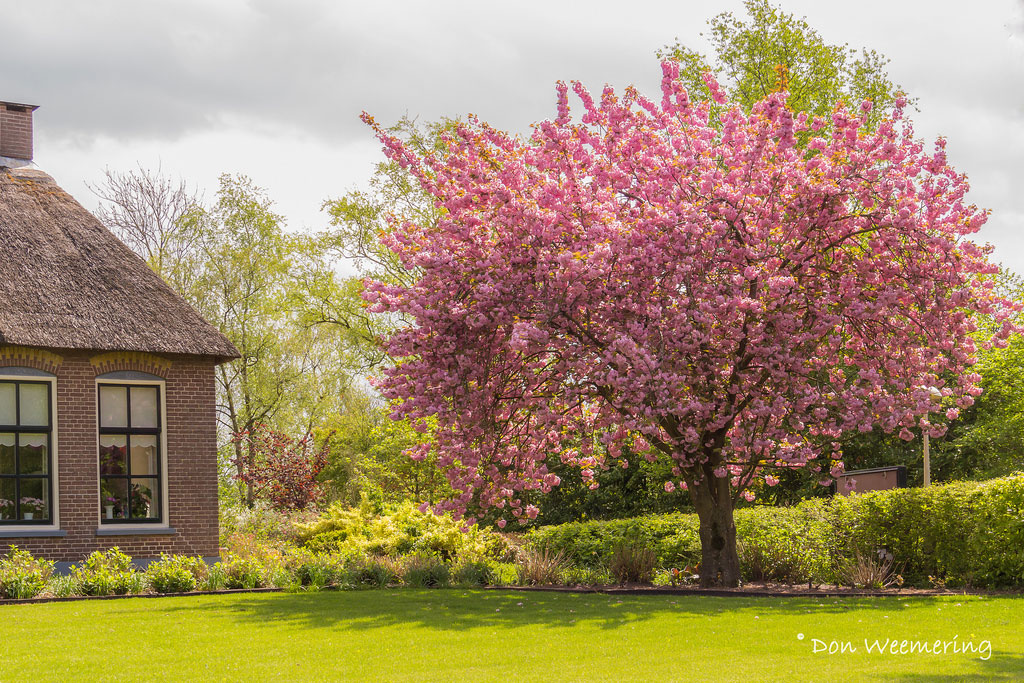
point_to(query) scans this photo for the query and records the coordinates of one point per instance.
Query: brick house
(107, 399)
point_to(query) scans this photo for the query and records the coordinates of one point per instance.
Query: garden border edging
(72, 598)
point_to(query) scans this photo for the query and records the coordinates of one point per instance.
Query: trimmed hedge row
(964, 533)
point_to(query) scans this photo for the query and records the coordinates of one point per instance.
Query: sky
(273, 89)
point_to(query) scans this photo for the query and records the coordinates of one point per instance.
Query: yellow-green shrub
(22, 575)
(402, 531)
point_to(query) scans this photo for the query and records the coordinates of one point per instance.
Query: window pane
(113, 498)
(34, 499)
(32, 454)
(144, 498)
(113, 406)
(8, 412)
(112, 452)
(7, 454)
(8, 506)
(35, 405)
(144, 400)
(143, 454)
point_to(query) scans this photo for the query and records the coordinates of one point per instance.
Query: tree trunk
(720, 564)
(239, 468)
(250, 496)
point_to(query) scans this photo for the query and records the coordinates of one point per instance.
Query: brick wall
(15, 131)
(190, 424)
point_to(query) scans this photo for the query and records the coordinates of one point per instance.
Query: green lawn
(476, 635)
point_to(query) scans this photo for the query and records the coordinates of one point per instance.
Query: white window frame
(164, 523)
(42, 376)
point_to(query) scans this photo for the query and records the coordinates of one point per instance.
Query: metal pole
(927, 463)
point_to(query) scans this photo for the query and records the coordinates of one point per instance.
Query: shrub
(64, 586)
(587, 576)
(374, 572)
(675, 576)
(315, 572)
(278, 577)
(134, 583)
(960, 533)
(787, 545)
(632, 563)
(997, 535)
(266, 552)
(242, 572)
(474, 573)
(504, 574)
(262, 523)
(865, 571)
(540, 566)
(672, 537)
(401, 531)
(22, 575)
(426, 570)
(176, 574)
(106, 573)
(215, 579)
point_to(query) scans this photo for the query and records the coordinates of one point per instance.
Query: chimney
(16, 134)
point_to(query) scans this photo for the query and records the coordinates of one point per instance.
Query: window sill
(32, 533)
(136, 531)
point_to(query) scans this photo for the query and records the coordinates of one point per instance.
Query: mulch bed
(762, 590)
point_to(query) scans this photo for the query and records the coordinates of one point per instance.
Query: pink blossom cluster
(731, 296)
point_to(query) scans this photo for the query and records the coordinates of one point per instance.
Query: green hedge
(965, 533)
(673, 537)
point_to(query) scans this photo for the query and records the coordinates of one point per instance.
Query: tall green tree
(366, 445)
(236, 263)
(772, 50)
(368, 456)
(358, 220)
(289, 375)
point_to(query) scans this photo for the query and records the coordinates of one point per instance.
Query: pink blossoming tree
(655, 280)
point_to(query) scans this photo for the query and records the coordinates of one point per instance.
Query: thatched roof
(66, 282)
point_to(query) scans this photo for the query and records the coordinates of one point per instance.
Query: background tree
(358, 220)
(712, 296)
(774, 51)
(988, 441)
(280, 470)
(366, 446)
(238, 266)
(368, 456)
(146, 210)
(288, 375)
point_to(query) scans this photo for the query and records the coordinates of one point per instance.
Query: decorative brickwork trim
(28, 357)
(117, 361)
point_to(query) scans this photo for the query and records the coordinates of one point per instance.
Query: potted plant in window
(109, 501)
(6, 508)
(141, 501)
(30, 507)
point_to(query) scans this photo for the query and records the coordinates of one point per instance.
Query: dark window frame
(127, 433)
(18, 429)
